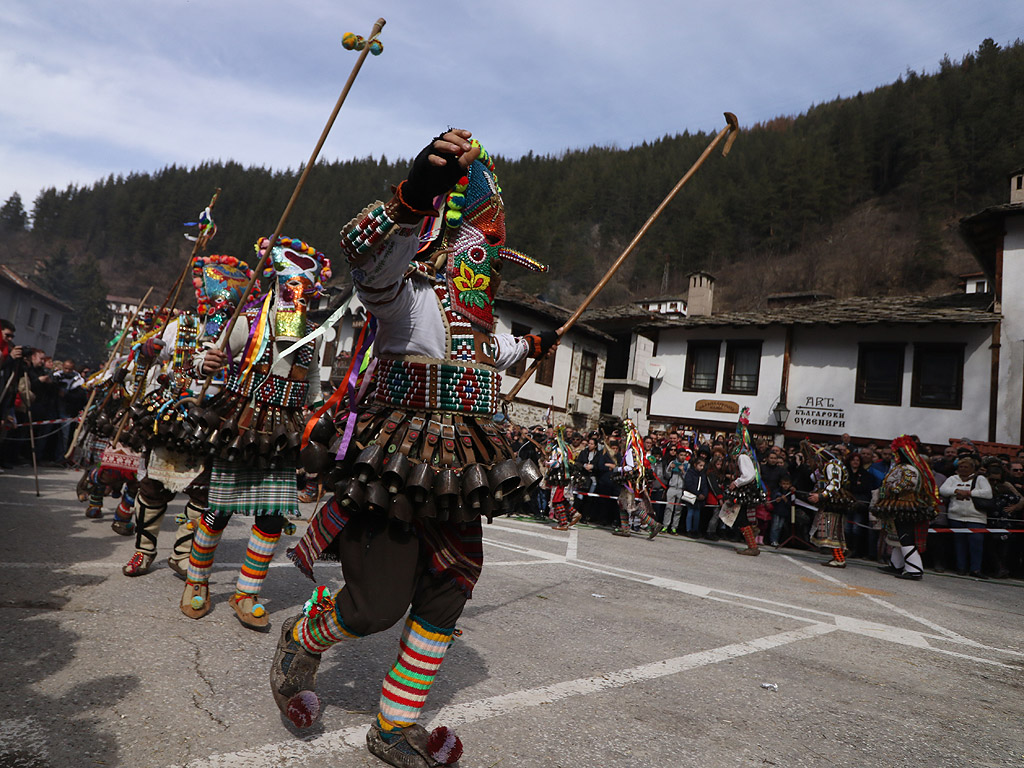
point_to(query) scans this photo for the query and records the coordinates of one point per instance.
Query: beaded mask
(219, 282)
(474, 233)
(300, 271)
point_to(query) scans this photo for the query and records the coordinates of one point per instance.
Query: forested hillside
(880, 178)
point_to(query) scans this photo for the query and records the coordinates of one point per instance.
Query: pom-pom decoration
(318, 268)
(219, 282)
(197, 603)
(289, 529)
(349, 41)
(303, 709)
(259, 611)
(320, 602)
(353, 42)
(444, 745)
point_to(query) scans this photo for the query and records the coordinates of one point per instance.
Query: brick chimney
(1017, 186)
(701, 295)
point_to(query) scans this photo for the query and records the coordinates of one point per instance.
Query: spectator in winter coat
(672, 476)
(695, 482)
(962, 490)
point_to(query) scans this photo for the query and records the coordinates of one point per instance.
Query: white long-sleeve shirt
(964, 509)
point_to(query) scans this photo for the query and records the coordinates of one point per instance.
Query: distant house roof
(956, 308)
(620, 316)
(25, 284)
(509, 294)
(130, 300)
(984, 231)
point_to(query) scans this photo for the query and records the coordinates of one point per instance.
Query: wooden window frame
(586, 356)
(730, 361)
(863, 348)
(546, 369)
(959, 349)
(692, 348)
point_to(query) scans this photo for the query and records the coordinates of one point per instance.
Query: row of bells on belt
(392, 485)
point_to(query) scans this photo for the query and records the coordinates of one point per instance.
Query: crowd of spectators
(35, 388)
(691, 474)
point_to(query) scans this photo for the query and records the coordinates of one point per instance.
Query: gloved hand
(541, 342)
(437, 168)
(151, 348)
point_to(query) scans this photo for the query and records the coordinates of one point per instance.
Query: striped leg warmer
(258, 555)
(123, 513)
(318, 633)
(559, 508)
(838, 555)
(406, 686)
(200, 559)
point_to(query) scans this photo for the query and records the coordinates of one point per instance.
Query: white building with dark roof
(36, 313)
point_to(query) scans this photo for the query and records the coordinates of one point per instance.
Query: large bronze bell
(420, 483)
(369, 463)
(446, 493)
(401, 508)
(503, 478)
(249, 446)
(395, 472)
(351, 494)
(529, 474)
(315, 458)
(474, 486)
(378, 500)
(233, 451)
(323, 430)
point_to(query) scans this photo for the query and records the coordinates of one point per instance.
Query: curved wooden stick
(377, 27)
(730, 129)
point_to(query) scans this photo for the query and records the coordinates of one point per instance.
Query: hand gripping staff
(368, 47)
(729, 134)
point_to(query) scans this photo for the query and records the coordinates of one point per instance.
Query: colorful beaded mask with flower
(474, 231)
(219, 282)
(300, 271)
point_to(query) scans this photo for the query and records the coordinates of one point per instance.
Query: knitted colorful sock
(748, 536)
(559, 509)
(838, 555)
(123, 513)
(406, 686)
(318, 633)
(200, 559)
(258, 555)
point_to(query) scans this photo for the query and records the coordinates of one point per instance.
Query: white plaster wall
(1011, 351)
(669, 400)
(824, 365)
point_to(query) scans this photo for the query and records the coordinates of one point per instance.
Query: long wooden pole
(377, 27)
(730, 130)
(175, 292)
(106, 367)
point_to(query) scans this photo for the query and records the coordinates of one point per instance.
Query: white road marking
(328, 744)
(570, 548)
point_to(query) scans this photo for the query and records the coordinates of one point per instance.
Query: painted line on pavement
(328, 744)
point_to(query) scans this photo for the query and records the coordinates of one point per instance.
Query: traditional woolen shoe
(139, 564)
(180, 567)
(890, 568)
(909, 575)
(250, 611)
(833, 563)
(655, 530)
(751, 551)
(403, 748)
(621, 532)
(93, 512)
(123, 527)
(560, 528)
(293, 677)
(576, 516)
(195, 600)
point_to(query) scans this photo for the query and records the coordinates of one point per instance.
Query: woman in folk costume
(635, 472)
(833, 498)
(420, 465)
(907, 500)
(746, 491)
(561, 480)
(161, 427)
(268, 383)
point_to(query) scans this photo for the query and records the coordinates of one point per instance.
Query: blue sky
(99, 87)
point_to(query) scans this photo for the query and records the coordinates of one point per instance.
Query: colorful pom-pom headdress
(905, 447)
(472, 228)
(219, 282)
(300, 270)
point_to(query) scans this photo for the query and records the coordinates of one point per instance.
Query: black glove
(541, 342)
(426, 180)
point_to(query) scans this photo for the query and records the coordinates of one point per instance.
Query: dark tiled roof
(510, 294)
(860, 310)
(983, 232)
(606, 317)
(26, 284)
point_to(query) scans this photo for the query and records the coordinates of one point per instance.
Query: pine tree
(12, 215)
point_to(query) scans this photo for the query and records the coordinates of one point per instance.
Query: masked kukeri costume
(417, 467)
(832, 485)
(269, 380)
(635, 473)
(907, 500)
(167, 430)
(562, 479)
(747, 490)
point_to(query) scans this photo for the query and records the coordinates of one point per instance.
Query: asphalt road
(579, 649)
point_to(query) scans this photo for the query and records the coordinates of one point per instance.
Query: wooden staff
(31, 429)
(377, 27)
(729, 130)
(106, 367)
(199, 244)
